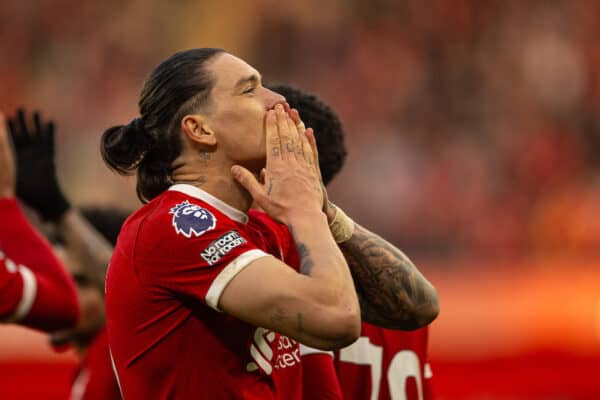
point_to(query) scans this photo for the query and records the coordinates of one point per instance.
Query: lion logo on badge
(191, 219)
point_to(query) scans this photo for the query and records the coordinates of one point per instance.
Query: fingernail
(235, 171)
(279, 107)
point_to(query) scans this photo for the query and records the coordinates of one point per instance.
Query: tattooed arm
(391, 290)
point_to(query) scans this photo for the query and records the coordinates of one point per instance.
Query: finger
(262, 176)
(37, 124)
(22, 125)
(310, 135)
(302, 143)
(287, 144)
(11, 125)
(249, 182)
(50, 135)
(296, 139)
(297, 120)
(272, 140)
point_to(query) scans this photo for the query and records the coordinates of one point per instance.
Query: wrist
(341, 226)
(308, 220)
(330, 210)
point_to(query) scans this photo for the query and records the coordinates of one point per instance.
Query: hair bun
(123, 147)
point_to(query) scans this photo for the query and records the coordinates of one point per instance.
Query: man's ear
(196, 128)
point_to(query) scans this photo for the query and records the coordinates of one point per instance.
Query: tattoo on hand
(270, 189)
(275, 151)
(289, 147)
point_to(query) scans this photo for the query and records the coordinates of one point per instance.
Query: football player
(196, 302)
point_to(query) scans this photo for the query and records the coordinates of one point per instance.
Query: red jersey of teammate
(173, 259)
(35, 290)
(95, 379)
(385, 364)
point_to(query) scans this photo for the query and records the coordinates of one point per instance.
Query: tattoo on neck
(205, 157)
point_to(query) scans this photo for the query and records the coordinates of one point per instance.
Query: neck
(213, 178)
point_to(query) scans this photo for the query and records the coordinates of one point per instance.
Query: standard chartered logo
(286, 354)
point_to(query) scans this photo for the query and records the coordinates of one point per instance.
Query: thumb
(248, 181)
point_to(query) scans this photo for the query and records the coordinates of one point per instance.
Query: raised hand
(292, 186)
(37, 183)
(7, 162)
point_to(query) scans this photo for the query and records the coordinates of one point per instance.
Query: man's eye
(249, 90)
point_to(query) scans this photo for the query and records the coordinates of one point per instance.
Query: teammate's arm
(317, 307)
(89, 247)
(392, 291)
(35, 289)
(38, 185)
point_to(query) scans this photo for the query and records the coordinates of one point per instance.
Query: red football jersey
(35, 290)
(168, 339)
(385, 364)
(95, 378)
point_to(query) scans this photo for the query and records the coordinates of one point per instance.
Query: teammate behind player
(382, 363)
(191, 278)
(35, 290)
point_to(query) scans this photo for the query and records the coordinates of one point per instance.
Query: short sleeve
(192, 250)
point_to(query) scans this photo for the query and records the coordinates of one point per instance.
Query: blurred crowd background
(473, 126)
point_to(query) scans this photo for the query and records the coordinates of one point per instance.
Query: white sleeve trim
(428, 373)
(228, 273)
(28, 297)
(307, 351)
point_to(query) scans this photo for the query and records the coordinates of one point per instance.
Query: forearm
(91, 249)
(322, 260)
(324, 305)
(392, 291)
(42, 293)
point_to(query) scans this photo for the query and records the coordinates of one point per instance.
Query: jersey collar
(220, 205)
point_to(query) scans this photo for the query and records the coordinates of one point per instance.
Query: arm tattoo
(278, 316)
(306, 261)
(392, 292)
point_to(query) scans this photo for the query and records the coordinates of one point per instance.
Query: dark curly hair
(326, 124)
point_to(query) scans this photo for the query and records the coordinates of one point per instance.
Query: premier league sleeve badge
(191, 219)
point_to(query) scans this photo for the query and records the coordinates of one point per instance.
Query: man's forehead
(229, 70)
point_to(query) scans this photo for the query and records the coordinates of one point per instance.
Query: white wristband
(342, 226)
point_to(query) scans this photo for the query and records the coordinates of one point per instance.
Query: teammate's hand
(292, 186)
(7, 162)
(37, 183)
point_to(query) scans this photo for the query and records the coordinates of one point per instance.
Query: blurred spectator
(477, 123)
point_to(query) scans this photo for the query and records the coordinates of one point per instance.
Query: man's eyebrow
(248, 79)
